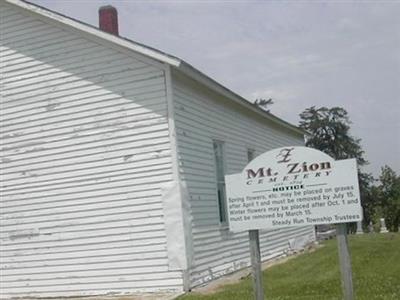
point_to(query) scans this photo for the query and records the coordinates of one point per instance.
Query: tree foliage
(264, 103)
(389, 197)
(329, 132)
(369, 199)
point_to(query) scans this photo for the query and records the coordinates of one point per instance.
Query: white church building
(113, 156)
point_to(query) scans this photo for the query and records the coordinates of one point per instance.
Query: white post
(256, 264)
(383, 226)
(345, 262)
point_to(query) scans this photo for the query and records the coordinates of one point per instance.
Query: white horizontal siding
(85, 154)
(200, 117)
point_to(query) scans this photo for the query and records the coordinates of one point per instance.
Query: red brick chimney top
(108, 19)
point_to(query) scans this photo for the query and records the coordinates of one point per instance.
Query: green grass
(376, 274)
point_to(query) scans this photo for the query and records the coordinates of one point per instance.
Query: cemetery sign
(293, 186)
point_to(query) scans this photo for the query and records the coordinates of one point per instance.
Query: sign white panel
(293, 186)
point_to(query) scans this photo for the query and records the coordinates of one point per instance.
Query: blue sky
(300, 53)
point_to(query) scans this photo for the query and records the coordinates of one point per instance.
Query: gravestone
(383, 226)
(370, 227)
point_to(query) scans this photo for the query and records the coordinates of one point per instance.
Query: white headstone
(370, 227)
(383, 226)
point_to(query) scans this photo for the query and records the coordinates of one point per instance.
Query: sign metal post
(256, 264)
(345, 262)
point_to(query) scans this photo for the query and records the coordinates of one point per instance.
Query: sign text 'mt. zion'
(293, 171)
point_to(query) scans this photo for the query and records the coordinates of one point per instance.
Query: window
(251, 153)
(220, 176)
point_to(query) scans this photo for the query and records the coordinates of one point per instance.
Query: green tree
(369, 198)
(329, 132)
(389, 196)
(264, 103)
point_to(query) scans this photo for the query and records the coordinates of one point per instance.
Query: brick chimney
(108, 19)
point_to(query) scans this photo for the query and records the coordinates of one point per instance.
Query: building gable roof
(154, 54)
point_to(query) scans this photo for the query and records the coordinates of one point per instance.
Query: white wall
(200, 117)
(85, 154)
